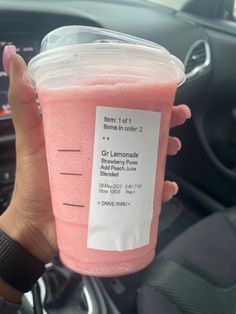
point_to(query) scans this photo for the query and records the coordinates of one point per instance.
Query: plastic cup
(106, 101)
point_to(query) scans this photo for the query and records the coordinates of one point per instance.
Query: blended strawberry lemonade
(106, 123)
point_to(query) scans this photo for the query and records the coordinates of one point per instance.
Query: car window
(173, 4)
(234, 12)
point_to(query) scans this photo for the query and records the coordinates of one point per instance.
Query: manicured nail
(6, 58)
(175, 188)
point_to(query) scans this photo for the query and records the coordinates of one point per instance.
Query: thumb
(21, 96)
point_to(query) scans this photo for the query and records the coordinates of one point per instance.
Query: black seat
(196, 273)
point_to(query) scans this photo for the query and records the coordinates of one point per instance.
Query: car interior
(194, 269)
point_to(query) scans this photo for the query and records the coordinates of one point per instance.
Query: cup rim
(128, 42)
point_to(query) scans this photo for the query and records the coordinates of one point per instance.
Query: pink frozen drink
(106, 107)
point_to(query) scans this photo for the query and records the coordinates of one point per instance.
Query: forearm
(9, 293)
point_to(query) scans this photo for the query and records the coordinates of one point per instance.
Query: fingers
(169, 190)
(7, 54)
(174, 145)
(24, 110)
(21, 96)
(179, 115)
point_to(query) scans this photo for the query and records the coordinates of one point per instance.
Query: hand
(29, 218)
(179, 115)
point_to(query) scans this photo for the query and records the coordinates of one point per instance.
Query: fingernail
(188, 112)
(179, 144)
(175, 188)
(6, 58)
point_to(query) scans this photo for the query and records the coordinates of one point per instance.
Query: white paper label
(123, 178)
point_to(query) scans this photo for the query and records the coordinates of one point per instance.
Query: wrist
(27, 235)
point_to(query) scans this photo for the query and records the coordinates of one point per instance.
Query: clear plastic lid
(74, 35)
(81, 45)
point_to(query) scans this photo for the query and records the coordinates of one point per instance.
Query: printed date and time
(116, 189)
